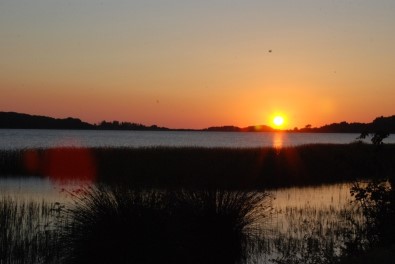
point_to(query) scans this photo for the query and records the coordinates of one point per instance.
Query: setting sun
(278, 120)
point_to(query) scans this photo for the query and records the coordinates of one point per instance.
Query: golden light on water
(278, 140)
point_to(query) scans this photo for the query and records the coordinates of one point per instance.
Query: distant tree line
(24, 121)
(385, 124)
(260, 128)
(116, 125)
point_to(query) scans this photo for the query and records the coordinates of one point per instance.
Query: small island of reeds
(234, 168)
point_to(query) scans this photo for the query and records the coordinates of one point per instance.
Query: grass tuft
(120, 225)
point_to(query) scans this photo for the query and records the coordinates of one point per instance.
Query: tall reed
(28, 231)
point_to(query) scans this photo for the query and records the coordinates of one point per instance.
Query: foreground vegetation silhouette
(123, 225)
(111, 224)
(376, 199)
(29, 231)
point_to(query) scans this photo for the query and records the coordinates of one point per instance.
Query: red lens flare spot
(70, 164)
(31, 161)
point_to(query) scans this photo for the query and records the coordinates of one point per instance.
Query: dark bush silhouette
(377, 197)
(121, 225)
(377, 200)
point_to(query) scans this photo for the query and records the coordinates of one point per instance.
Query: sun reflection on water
(278, 140)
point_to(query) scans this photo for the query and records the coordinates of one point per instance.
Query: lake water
(299, 214)
(30, 138)
(296, 211)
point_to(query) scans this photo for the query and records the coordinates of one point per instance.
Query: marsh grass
(28, 231)
(202, 168)
(120, 225)
(318, 235)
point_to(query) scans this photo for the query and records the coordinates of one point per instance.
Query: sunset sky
(195, 64)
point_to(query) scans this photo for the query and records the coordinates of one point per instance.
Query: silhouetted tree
(377, 137)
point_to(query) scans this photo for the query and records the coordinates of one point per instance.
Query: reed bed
(28, 231)
(112, 224)
(193, 167)
(318, 235)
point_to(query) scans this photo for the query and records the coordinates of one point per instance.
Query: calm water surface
(26, 138)
(31, 138)
(39, 189)
(334, 195)
(293, 208)
(296, 211)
